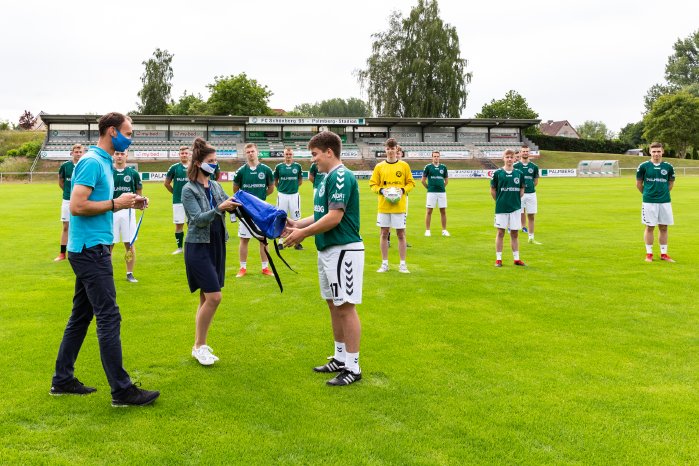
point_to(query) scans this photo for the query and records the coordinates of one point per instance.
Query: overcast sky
(591, 60)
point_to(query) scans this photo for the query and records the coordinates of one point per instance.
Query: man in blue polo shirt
(89, 238)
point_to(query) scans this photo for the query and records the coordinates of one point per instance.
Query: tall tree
(594, 130)
(513, 105)
(337, 107)
(415, 68)
(674, 120)
(157, 83)
(681, 70)
(188, 104)
(632, 134)
(238, 95)
(27, 120)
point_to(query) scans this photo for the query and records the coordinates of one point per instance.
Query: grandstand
(158, 137)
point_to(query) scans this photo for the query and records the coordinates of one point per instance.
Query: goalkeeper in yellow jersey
(392, 180)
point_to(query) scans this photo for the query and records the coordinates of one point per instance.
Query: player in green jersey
(126, 180)
(335, 225)
(531, 180)
(655, 179)
(175, 180)
(257, 179)
(65, 173)
(288, 176)
(435, 178)
(507, 189)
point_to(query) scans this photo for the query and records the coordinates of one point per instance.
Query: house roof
(551, 128)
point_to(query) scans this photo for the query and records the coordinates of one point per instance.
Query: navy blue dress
(205, 263)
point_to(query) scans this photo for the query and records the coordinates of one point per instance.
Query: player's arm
(236, 188)
(81, 205)
(670, 184)
(276, 176)
(168, 183)
(409, 180)
(61, 180)
(325, 223)
(521, 192)
(424, 181)
(446, 178)
(536, 178)
(311, 177)
(375, 181)
(639, 185)
(270, 182)
(300, 176)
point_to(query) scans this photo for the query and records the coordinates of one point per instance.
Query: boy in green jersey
(257, 179)
(655, 179)
(507, 189)
(65, 173)
(126, 180)
(175, 180)
(288, 176)
(531, 180)
(335, 225)
(435, 178)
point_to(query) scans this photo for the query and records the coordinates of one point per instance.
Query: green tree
(157, 83)
(415, 68)
(188, 104)
(238, 95)
(632, 134)
(674, 120)
(594, 130)
(337, 107)
(681, 70)
(513, 105)
(5, 125)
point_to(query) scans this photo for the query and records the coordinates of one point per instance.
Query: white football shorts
(397, 221)
(65, 211)
(653, 214)
(513, 220)
(529, 203)
(438, 200)
(291, 204)
(341, 273)
(179, 217)
(124, 225)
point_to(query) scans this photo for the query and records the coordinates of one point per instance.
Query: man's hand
(292, 236)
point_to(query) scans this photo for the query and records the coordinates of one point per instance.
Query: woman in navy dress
(205, 204)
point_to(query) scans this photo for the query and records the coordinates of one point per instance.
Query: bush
(29, 149)
(579, 145)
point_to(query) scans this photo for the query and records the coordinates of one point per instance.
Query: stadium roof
(244, 120)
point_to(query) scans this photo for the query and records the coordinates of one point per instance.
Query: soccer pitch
(588, 355)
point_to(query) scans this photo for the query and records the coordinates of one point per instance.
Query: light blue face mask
(209, 168)
(120, 142)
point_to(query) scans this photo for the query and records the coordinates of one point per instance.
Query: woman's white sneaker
(204, 354)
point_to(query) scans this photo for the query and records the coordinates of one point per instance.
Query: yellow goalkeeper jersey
(392, 175)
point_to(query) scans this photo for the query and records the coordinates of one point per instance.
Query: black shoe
(134, 396)
(407, 245)
(345, 377)
(333, 366)
(298, 247)
(280, 246)
(74, 387)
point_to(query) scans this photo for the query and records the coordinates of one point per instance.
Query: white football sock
(498, 256)
(265, 264)
(352, 362)
(384, 262)
(243, 265)
(663, 249)
(515, 254)
(649, 249)
(340, 352)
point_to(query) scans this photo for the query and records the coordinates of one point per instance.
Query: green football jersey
(531, 172)
(178, 174)
(66, 173)
(126, 180)
(254, 181)
(507, 187)
(289, 177)
(338, 190)
(656, 179)
(314, 171)
(435, 177)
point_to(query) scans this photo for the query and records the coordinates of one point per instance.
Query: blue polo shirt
(94, 169)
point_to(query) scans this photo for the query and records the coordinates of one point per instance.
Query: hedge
(579, 145)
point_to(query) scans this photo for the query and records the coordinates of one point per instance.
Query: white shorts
(396, 221)
(124, 225)
(341, 273)
(513, 220)
(178, 215)
(291, 204)
(653, 214)
(65, 211)
(243, 231)
(436, 200)
(529, 203)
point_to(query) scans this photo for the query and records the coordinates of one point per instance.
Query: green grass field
(587, 356)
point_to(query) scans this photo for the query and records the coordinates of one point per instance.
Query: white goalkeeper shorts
(341, 273)
(397, 221)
